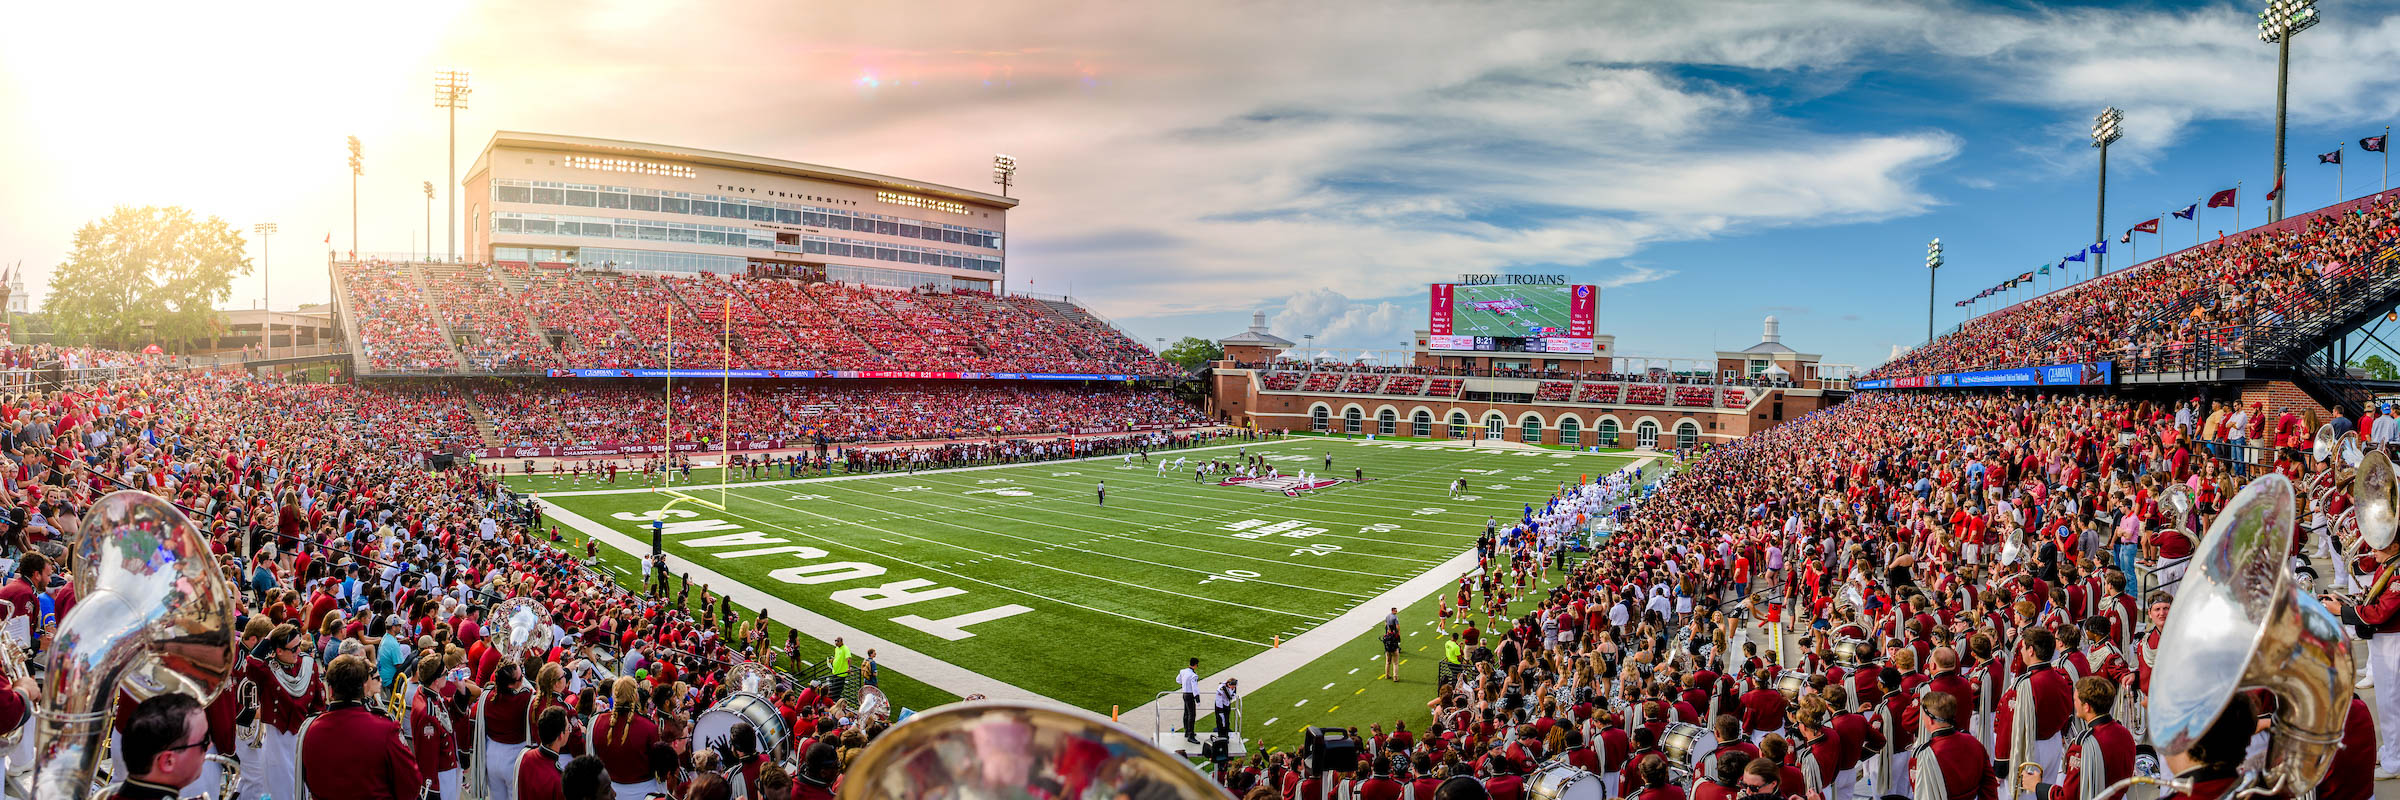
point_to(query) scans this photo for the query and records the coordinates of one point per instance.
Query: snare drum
(715, 726)
(1846, 651)
(1792, 683)
(1559, 781)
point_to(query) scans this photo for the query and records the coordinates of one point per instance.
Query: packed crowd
(396, 327)
(381, 650)
(620, 320)
(552, 414)
(1957, 574)
(2214, 298)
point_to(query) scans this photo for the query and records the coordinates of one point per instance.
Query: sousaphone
(998, 748)
(2241, 622)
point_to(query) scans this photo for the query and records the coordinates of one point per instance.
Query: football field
(1016, 581)
(1543, 306)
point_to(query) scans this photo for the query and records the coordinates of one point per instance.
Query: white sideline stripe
(1299, 651)
(934, 672)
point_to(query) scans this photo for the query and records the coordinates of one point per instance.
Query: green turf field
(1016, 573)
(1548, 305)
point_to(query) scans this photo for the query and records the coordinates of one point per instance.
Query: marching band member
(2214, 763)
(1858, 738)
(503, 727)
(2035, 707)
(164, 736)
(286, 685)
(2099, 757)
(1763, 707)
(2351, 775)
(537, 774)
(741, 760)
(351, 752)
(624, 740)
(431, 730)
(1950, 765)
(2379, 609)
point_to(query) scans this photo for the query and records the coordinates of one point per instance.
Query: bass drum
(1678, 741)
(714, 727)
(1559, 781)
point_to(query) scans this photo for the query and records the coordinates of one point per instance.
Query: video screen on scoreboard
(1513, 318)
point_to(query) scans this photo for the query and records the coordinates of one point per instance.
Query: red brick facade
(1241, 398)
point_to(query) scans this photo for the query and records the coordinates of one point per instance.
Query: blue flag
(2099, 248)
(2188, 211)
(2078, 256)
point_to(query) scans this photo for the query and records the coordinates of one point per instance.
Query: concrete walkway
(938, 673)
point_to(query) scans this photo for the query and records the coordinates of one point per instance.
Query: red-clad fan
(625, 740)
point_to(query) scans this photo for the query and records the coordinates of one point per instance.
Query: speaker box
(1330, 750)
(444, 461)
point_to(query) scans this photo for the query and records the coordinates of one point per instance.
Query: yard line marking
(1271, 720)
(891, 542)
(1040, 565)
(1353, 671)
(939, 508)
(1303, 701)
(1361, 690)
(1097, 553)
(1327, 686)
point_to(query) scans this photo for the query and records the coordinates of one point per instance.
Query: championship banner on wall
(1440, 325)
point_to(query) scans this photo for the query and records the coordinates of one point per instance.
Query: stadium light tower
(450, 91)
(267, 287)
(1933, 263)
(1004, 171)
(2104, 131)
(428, 219)
(2282, 20)
(357, 167)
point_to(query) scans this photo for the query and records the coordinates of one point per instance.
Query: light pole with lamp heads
(2104, 131)
(2282, 20)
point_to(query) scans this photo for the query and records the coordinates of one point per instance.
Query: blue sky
(1182, 165)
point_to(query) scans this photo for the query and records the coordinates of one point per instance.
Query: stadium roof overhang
(686, 155)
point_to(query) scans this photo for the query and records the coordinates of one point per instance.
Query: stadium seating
(1695, 396)
(1406, 385)
(1445, 387)
(1362, 384)
(618, 320)
(1553, 391)
(1646, 394)
(2218, 295)
(550, 414)
(1598, 392)
(1322, 382)
(397, 331)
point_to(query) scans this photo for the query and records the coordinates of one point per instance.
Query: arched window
(1570, 432)
(1424, 423)
(1458, 425)
(1687, 435)
(1494, 427)
(1607, 432)
(1532, 431)
(1386, 422)
(1645, 434)
(1350, 419)
(1317, 418)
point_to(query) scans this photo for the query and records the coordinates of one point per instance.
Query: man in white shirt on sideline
(2387, 430)
(1189, 682)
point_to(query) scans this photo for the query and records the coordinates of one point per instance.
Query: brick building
(1600, 400)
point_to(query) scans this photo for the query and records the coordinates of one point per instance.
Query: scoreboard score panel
(1535, 318)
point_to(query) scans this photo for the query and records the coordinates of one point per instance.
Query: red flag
(2224, 199)
(329, 237)
(2150, 226)
(2271, 193)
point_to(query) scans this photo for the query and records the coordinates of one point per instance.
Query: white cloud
(1338, 321)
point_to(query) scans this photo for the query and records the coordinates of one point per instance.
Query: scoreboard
(1513, 318)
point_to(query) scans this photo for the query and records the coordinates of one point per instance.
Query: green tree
(2378, 368)
(1192, 351)
(147, 267)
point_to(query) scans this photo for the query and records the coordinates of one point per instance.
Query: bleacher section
(1598, 393)
(498, 315)
(1362, 384)
(1553, 391)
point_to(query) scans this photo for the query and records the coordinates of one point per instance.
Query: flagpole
(2237, 206)
(2387, 158)
(2340, 167)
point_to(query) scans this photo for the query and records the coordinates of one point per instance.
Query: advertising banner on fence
(2100, 373)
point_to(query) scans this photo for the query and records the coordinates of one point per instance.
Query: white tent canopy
(1287, 355)
(1327, 355)
(1365, 355)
